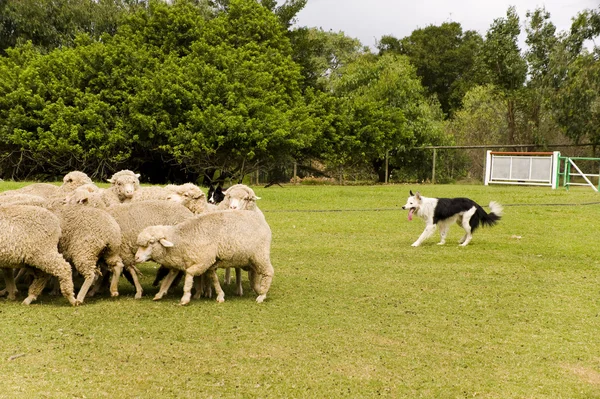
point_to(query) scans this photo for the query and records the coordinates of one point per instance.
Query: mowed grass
(354, 311)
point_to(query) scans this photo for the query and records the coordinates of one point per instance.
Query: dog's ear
(418, 196)
(411, 193)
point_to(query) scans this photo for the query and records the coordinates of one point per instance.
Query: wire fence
(400, 209)
(439, 164)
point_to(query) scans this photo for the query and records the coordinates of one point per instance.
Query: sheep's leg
(11, 287)
(114, 281)
(114, 262)
(85, 264)
(20, 274)
(262, 280)
(195, 270)
(136, 282)
(176, 280)
(56, 265)
(238, 281)
(85, 287)
(227, 279)
(202, 287)
(212, 274)
(37, 286)
(198, 287)
(165, 284)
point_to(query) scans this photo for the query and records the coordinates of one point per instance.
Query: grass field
(354, 311)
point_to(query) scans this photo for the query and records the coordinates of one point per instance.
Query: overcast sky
(368, 20)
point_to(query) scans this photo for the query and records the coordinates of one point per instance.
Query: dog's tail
(490, 219)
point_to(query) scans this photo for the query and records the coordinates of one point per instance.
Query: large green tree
(387, 111)
(507, 66)
(447, 60)
(174, 86)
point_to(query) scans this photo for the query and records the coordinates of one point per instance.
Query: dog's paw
(415, 244)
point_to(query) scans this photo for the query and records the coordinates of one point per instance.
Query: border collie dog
(443, 212)
(215, 194)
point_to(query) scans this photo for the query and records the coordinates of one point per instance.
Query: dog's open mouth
(410, 213)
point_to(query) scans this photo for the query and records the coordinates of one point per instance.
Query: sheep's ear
(109, 180)
(138, 175)
(198, 196)
(255, 198)
(165, 243)
(411, 193)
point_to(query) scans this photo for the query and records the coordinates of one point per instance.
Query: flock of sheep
(46, 231)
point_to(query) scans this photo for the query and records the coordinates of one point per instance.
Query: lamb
(88, 235)
(132, 218)
(215, 239)
(30, 237)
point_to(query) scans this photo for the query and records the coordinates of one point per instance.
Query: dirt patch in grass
(584, 373)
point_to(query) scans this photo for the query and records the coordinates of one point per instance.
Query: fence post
(387, 165)
(433, 168)
(295, 170)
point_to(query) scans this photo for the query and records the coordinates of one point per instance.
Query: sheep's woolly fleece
(215, 239)
(29, 235)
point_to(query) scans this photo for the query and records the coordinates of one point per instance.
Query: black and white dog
(445, 211)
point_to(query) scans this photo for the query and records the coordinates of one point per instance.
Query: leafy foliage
(447, 60)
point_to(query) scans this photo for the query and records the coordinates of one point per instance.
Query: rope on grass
(400, 208)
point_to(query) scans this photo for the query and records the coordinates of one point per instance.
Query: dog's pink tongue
(410, 213)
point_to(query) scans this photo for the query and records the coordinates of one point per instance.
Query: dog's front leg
(429, 230)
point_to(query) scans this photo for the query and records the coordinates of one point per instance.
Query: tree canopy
(189, 89)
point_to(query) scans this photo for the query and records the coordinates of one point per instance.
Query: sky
(369, 20)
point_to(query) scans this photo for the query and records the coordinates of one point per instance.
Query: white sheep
(191, 196)
(88, 194)
(88, 235)
(30, 237)
(208, 241)
(132, 218)
(152, 193)
(123, 185)
(45, 190)
(241, 197)
(22, 199)
(71, 181)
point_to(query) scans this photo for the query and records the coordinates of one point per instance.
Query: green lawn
(354, 310)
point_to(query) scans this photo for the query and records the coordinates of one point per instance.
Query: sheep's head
(75, 179)
(124, 183)
(88, 194)
(190, 196)
(152, 243)
(240, 197)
